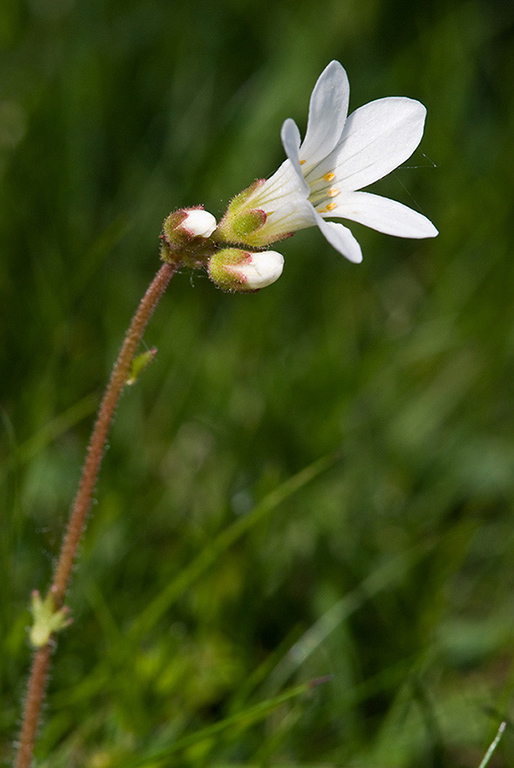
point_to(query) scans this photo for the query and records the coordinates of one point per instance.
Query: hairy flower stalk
(82, 504)
(320, 178)
(185, 235)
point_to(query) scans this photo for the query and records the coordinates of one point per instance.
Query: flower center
(321, 191)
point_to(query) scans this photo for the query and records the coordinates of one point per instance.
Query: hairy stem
(81, 506)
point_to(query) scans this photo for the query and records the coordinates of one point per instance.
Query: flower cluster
(321, 178)
(190, 237)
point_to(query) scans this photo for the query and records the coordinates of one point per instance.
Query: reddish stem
(82, 504)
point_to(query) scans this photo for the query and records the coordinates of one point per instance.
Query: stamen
(329, 176)
(331, 206)
(302, 162)
(333, 192)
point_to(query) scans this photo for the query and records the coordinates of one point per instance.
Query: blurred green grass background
(389, 566)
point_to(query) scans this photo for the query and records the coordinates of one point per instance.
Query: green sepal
(169, 228)
(223, 272)
(240, 199)
(245, 224)
(242, 228)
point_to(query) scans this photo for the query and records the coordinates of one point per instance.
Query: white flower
(338, 156)
(234, 269)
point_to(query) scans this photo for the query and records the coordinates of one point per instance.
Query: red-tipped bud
(235, 270)
(182, 226)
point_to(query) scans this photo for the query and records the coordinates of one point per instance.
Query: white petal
(292, 216)
(284, 185)
(327, 113)
(290, 136)
(384, 215)
(265, 267)
(377, 138)
(341, 239)
(199, 223)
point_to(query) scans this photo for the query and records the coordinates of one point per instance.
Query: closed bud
(235, 270)
(199, 223)
(182, 226)
(186, 237)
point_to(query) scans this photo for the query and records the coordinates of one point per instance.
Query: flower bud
(199, 223)
(233, 269)
(182, 226)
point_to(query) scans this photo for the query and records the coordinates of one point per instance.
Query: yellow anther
(329, 176)
(331, 206)
(302, 162)
(333, 192)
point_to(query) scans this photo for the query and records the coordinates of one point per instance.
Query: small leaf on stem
(47, 619)
(139, 363)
